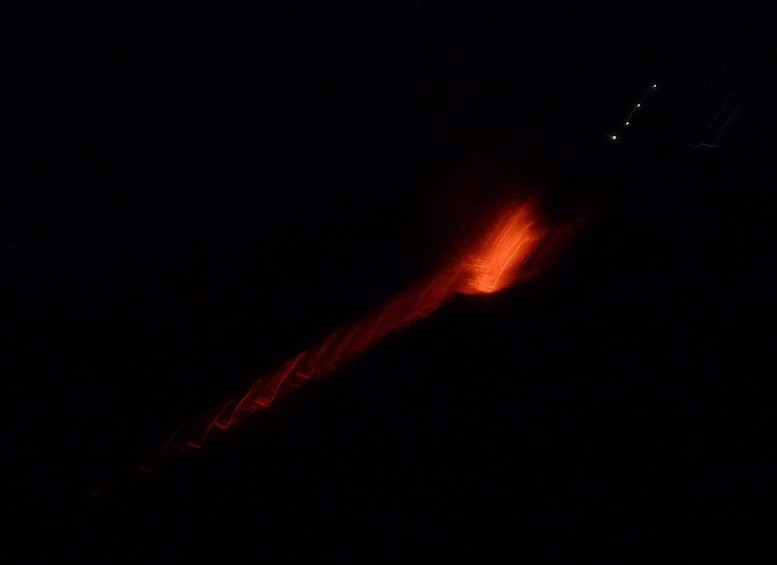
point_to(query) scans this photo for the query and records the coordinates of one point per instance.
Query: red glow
(496, 262)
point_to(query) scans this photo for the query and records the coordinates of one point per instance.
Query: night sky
(191, 196)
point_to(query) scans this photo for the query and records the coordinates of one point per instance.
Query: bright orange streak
(498, 262)
(495, 263)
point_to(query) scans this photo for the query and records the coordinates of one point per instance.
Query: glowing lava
(497, 261)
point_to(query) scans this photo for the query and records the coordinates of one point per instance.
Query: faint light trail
(627, 122)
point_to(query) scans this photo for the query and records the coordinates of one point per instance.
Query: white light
(639, 105)
(627, 124)
(655, 86)
(614, 137)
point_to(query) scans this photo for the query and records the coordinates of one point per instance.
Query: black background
(190, 196)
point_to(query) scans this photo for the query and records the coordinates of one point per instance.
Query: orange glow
(498, 261)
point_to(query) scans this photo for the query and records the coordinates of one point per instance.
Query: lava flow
(503, 257)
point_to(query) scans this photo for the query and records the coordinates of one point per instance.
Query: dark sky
(191, 196)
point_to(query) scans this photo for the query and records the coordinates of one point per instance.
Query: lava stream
(500, 259)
